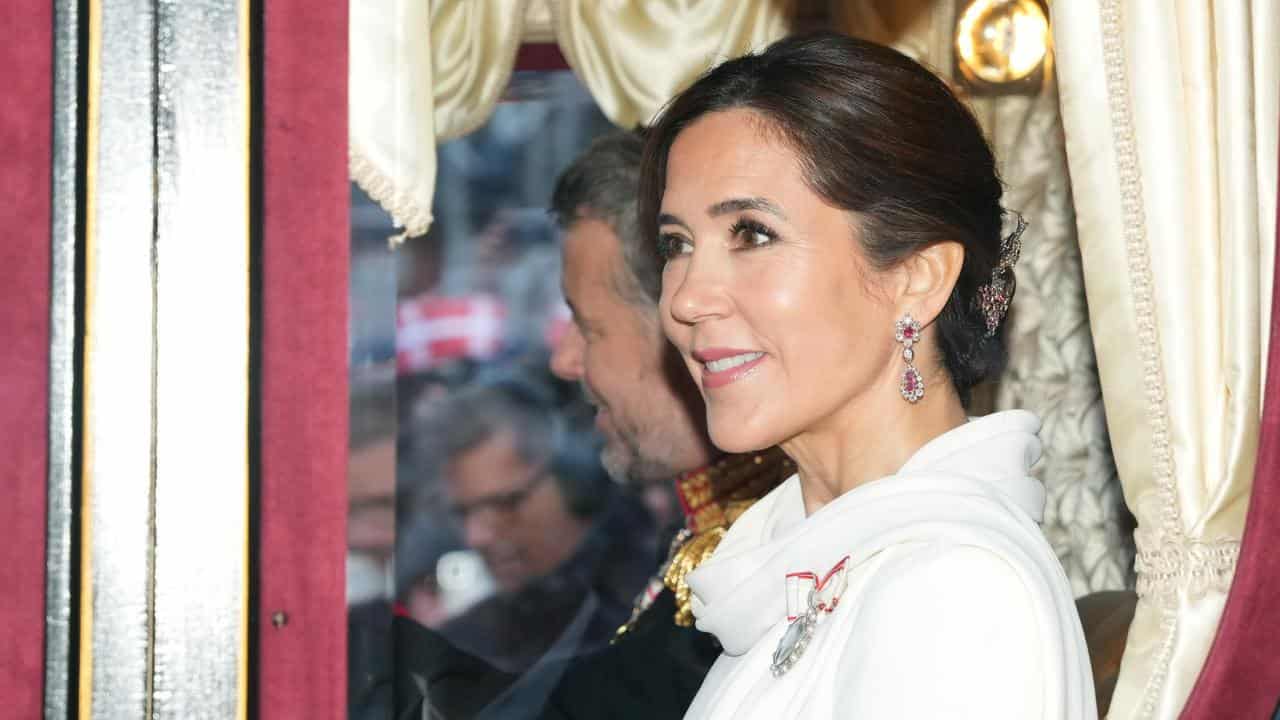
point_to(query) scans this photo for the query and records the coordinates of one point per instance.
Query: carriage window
(372, 453)
(501, 526)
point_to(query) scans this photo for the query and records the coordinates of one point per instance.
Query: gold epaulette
(712, 499)
(691, 554)
(686, 558)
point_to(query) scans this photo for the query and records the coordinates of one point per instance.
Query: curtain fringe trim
(405, 211)
(1169, 567)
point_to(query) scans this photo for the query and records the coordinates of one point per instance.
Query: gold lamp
(1002, 42)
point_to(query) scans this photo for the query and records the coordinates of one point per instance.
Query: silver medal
(795, 639)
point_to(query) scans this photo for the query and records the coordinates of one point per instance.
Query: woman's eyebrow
(669, 219)
(733, 205)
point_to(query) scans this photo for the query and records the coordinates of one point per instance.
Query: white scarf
(968, 487)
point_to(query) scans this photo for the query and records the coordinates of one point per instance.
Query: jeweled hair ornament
(994, 297)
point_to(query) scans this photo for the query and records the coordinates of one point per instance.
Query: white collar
(974, 475)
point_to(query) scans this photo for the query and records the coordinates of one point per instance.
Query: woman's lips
(721, 366)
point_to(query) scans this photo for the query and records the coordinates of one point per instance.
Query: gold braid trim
(683, 561)
(712, 499)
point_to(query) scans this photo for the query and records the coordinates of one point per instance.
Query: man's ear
(928, 277)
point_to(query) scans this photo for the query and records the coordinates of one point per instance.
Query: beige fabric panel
(392, 133)
(1159, 104)
(473, 52)
(635, 55)
(422, 72)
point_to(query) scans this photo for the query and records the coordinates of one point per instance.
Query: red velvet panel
(26, 111)
(301, 664)
(1241, 677)
(540, 56)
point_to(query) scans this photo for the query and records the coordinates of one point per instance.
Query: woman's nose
(700, 289)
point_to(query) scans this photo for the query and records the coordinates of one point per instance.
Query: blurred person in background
(436, 576)
(370, 542)
(421, 544)
(567, 552)
(499, 487)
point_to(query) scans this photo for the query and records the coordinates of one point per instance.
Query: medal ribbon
(826, 590)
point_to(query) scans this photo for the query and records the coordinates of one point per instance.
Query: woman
(836, 278)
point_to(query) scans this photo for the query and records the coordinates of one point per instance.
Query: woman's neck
(867, 439)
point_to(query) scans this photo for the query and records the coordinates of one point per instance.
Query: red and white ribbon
(826, 589)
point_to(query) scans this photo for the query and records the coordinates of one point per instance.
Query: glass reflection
(512, 544)
(372, 458)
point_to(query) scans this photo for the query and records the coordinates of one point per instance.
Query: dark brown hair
(602, 183)
(880, 136)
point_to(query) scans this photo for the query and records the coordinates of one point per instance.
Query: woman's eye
(752, 234)
(670, 246)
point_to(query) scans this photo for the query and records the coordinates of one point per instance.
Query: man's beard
(622, 457)
(626, 464)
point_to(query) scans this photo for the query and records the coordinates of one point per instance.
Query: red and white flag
(433, 329)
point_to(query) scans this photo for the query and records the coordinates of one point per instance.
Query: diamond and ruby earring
(907, 332)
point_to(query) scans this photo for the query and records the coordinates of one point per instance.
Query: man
(650, 415)
(499, 489)
(532, 500)
(370, 544)
(648, 408)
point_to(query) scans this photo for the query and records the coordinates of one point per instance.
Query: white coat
(953, 603)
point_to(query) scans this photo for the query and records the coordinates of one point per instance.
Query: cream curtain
(473, 45)
(921, 29)
(1052, 370)
(427, 71)
(422, 72)
(635, 55)
(1170, 113)
(390, 109)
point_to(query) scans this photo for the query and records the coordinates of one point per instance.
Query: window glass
(512, 547)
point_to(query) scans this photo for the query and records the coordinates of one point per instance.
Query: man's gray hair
(472, 416)
(468, 418)
(603, 183)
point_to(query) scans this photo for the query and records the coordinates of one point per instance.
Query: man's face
(371, 491)
(646, 405)
(511, 512)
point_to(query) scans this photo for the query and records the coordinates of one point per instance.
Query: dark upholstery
(1106, 617)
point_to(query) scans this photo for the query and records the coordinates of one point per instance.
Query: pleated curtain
(427, 71)
(1170, 114)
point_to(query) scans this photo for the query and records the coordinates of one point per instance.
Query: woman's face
(765, 291)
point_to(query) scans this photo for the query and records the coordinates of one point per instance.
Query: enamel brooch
(820, 597)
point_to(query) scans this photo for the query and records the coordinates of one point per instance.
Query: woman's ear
(929, 277)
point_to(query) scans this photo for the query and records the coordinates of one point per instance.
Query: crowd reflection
(523, 490)
(511, 542)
